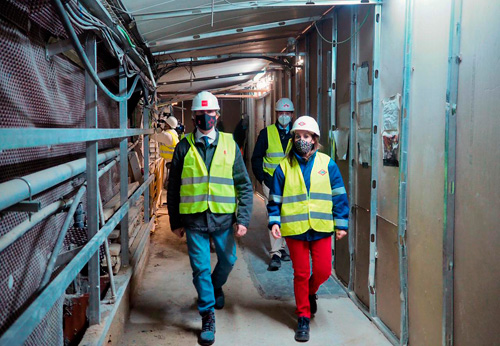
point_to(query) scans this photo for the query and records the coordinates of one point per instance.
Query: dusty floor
(165, 312)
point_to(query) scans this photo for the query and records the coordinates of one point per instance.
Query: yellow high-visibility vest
(301, 211)
(167, 151)
(201, 190)
(274, 152)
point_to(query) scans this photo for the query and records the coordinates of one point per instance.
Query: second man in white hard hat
(209, 191)
(272, 145)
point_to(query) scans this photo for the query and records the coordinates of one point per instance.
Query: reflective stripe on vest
(274, 152)
(300, 211)
(167, 151)
(201, 190)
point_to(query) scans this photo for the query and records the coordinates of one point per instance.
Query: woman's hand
(240, 230)
(339, 234)
(275, 231)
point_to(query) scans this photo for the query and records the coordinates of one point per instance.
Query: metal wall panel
(362, 255)
(477, 240)
(426, 170)
(387, 278)
(343, 85)
(313, 75)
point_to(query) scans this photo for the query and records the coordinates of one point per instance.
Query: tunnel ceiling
(177, 32)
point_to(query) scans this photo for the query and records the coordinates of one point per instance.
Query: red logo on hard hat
(204, 103)
(286, 105)
(302, 123)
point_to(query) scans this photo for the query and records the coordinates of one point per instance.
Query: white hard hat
(205, 101)
(306, 123)
(172, 122)
(284, 105)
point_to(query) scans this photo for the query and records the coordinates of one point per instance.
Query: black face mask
(205, 121)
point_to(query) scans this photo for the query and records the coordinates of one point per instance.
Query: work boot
(219, 298)
(313, 304)
(302, 332)
(207, 335)
(284, 256)
(275, 263)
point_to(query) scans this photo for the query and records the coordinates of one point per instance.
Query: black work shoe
(284, 256)
(207, 335)
(275, 263)
(313, 304)
(219, 298)
(302, 332)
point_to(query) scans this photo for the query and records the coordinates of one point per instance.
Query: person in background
(272, 145)
(307, 205)
(168, 140)
(240, 134)
(209, 192)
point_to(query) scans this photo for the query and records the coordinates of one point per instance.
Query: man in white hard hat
(168, 139)
(209, 191)
(272, 145)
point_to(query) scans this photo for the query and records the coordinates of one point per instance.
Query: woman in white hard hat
(307, 205)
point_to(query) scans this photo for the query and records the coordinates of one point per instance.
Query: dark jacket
(208, 221)
(260, 151)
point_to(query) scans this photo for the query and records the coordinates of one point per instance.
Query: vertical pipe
(145, 143)
(123, 168)
(450, 175)
(182, 111)
(375, 159)
(353, 146)
(94, 312)
(289, 82)
(106, 248)
(306, 76)
(332, 89)
(319, 80)
(403, 172)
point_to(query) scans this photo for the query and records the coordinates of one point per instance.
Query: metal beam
(22, 328)
(227, 56)
(250, 5)
(213, 77)
(353, 151)
(220, 45)
(403, 172)
(235, 31)
(450, 175)
(332, 87)
(94, 312)
(319, 79)
(16, 138)
(238, 91)
(375, 159)
(306, 76)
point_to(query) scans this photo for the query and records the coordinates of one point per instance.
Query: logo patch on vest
(225, 152)
(322, 172)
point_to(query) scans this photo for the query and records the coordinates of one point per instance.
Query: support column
(375, 160)
(450, 175)
(94, 312)
(319, 79)
(353, 149)
(123, 169)
(306, 77)
(145, 143)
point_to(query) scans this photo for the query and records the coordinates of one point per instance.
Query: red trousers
(305, 284)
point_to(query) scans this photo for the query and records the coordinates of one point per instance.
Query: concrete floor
(164, 311)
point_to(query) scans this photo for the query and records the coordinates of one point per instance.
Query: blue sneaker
(207, 335)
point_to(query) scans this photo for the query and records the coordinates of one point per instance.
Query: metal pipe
(60, 239)
(21, 229)
(106, 248)
(14, 191)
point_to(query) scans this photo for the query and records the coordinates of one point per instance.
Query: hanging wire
(346, 40)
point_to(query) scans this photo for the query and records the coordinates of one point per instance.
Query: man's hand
(339, 234)
(179, 232)
(240, 230)
(275, 231)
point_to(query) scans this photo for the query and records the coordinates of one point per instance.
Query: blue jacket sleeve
(259, 152)
(276, 198)
(340, 208)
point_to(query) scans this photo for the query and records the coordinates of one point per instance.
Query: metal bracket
(58, 47)
(25, 206)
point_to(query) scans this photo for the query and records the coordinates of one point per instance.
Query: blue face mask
(205, 121)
